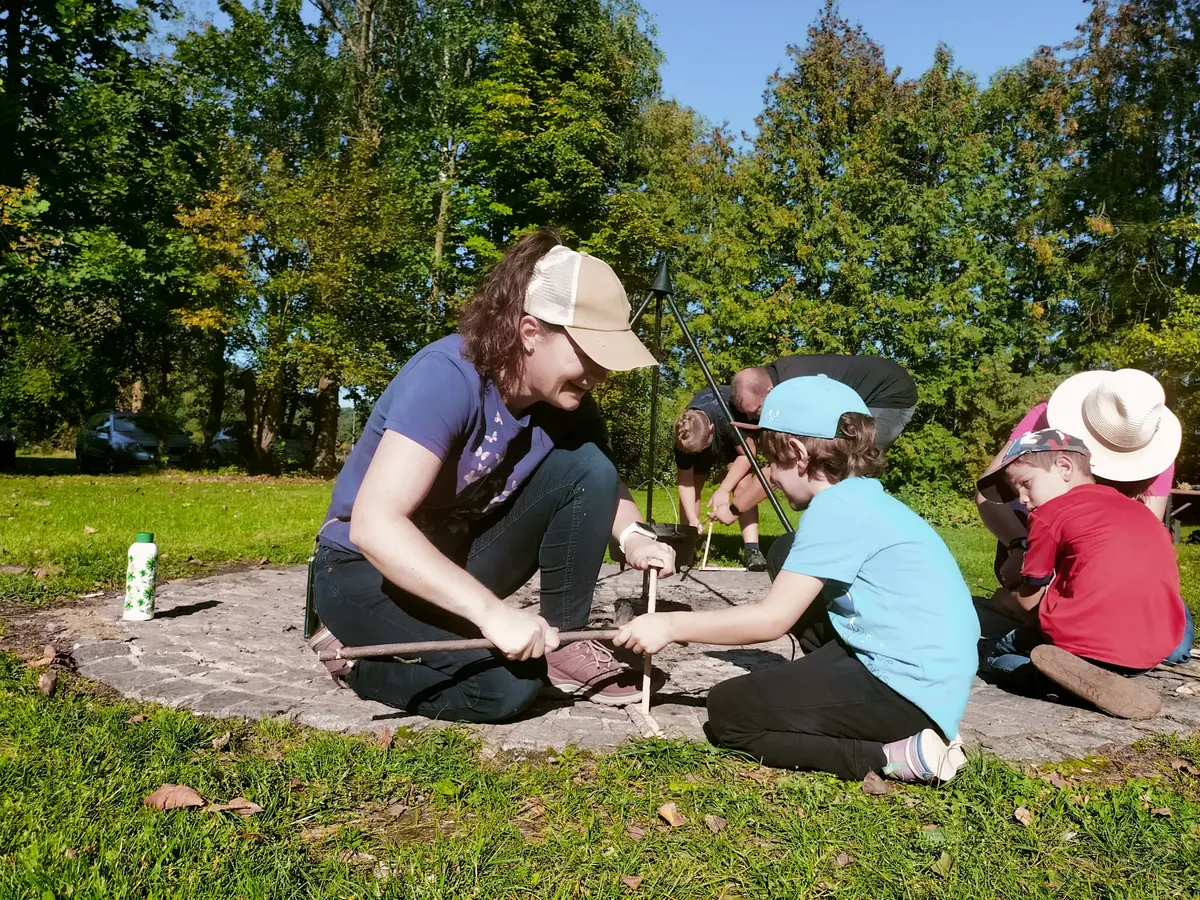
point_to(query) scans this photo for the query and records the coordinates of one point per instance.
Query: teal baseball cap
(809, 406)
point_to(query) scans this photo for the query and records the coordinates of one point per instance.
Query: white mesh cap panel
(554, 286)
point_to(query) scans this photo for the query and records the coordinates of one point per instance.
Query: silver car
(110, 441)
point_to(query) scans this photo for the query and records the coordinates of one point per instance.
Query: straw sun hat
(1123, 419)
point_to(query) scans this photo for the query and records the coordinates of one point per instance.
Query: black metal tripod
(663, 289)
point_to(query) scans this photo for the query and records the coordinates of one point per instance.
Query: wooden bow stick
(651, 602)
(372, 650)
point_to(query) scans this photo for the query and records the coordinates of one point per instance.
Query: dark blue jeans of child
(559, 522)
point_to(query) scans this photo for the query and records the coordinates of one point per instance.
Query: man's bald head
(748, 389)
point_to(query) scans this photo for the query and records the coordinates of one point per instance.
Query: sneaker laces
(600, 655)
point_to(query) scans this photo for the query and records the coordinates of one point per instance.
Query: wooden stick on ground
(1177, 671)
(651, 602)
(707, 541)
(371, 650)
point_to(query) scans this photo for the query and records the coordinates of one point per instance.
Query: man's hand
(718, 507)
(518, 634)
(642, 552)
(646, 634)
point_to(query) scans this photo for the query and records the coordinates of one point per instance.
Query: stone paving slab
(232, 645)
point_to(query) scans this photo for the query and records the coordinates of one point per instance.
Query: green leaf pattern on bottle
(140, 576)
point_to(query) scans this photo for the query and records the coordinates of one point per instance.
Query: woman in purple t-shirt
(483, 462)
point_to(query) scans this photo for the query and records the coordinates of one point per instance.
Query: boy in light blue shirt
(886, 621)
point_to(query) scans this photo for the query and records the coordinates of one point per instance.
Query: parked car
(8, 449)
(231, 445)
(118, 440)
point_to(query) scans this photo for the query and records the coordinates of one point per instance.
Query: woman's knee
(499, 694)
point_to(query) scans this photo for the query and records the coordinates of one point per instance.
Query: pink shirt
(1036, 419)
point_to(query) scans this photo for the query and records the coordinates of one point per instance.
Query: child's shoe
(923, 757)
(1115, 694)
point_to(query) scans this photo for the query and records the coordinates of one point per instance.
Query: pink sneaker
(589, 669)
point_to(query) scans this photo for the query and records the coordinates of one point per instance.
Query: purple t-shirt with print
(442, 403)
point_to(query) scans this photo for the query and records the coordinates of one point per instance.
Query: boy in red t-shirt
(1101, 573)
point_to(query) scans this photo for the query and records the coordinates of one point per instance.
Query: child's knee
(725, 702)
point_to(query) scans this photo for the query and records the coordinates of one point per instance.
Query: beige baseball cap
(584, 295)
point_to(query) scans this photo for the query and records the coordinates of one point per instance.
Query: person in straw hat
(1132, 438)
(484, 461)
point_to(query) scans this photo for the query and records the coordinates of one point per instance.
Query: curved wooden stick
(366, 652)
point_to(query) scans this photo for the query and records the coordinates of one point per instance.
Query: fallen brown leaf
(47, 681)
(356, 857)
(632, 881)
(762, 776)
(240, 805)
(1055, 779)
(1024, 816)
(88, 529)
(263, 561)
(876, 786)
(39, 573)
(716, 824)
(396, 810)
(384, 739)
(71, 854)
(48, 654)
(671, 815)
(1182, 765)
(842, 860)
(192, 561)
(1162, 811)
(220, 742)
(173, 796)
(635, 831)
(137, 720)
(930, 827)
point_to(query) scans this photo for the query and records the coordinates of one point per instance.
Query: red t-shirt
(1115, 594)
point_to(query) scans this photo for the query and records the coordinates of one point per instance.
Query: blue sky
(721, 52)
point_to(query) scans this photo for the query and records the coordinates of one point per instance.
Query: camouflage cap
(1046, 440)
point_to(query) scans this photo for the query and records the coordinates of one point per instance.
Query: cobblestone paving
(232, 645)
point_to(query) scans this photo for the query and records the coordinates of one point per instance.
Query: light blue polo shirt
(894, 594)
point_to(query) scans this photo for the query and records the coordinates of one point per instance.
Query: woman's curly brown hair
(491, 341)
(852, 453)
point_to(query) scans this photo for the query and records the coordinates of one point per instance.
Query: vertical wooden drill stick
(707, 541)
(651, 602)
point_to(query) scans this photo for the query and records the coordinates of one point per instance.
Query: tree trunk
(445, 184)
(270, 423)
(325, 427)
(137, 396)
(216, 388)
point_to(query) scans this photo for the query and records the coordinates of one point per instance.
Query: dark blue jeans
(559, 522)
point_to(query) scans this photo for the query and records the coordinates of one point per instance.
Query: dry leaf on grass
(396, 810)
(876, 786)
(137, 720)
(385, 739)
(240, 805)
(263, 561)
(762, 776)
(944, 864)
(192, 561)
(1055, 779)
(173, 796)
(88, 529)
(671, 815)
(220, 742)
(1024, 816)
(48, 654)
(1182, 765)
(715, 824)
(1162, 811)
(843, 859)
(47, 681)
(635, 831)
(632, 881)
(39, 573)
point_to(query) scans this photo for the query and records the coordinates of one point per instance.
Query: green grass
(74, 770)
(216, 520)
(224, 519)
